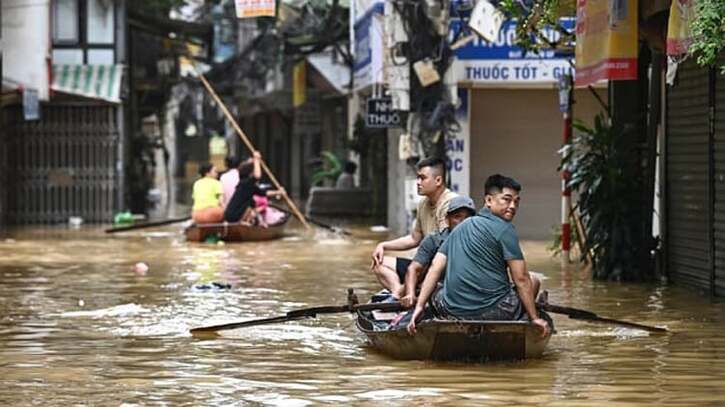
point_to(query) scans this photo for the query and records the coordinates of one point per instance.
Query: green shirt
(476, 272)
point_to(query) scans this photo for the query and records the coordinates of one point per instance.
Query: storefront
(513, 126)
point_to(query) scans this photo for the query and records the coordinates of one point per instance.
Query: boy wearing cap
(459, 209)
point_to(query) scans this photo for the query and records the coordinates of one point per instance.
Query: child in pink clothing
(265, 215)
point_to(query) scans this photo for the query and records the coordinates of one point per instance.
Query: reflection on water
(77, 326)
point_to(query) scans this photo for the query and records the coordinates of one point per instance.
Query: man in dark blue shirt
(477, 257)
(459, 209)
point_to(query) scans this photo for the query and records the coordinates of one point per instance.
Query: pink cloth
(272, 216)
(229, 181)
(261, 203)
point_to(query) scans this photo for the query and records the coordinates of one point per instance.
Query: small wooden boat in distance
(235, 232)
(448, 340)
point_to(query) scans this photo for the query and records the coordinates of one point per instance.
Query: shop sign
(458, 149)
(368, 39)
(502, 62)
(380, 114)
(31, 104)
(255, 8)
(299, 83)
(606, 41)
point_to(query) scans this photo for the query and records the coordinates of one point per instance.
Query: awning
(336, 73)
(92, 81)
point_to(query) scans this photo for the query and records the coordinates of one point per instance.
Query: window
(83, 31)
(68, 56)
(65, 22)
(99, 21)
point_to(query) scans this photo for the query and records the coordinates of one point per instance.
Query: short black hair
(232, 162)
(245, 169)
(205, 168)
(497, 182)
(349, 167)
(438, 165)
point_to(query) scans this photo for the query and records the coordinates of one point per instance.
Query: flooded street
(78, 326)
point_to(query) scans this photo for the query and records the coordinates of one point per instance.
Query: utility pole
(565, 106)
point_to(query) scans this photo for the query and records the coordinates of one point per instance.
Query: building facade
(508, 116)
(64, 135)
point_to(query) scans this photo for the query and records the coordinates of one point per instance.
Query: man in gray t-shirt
(459, 209)
(475, 258)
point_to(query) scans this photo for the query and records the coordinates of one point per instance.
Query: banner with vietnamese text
(606, 41)
(255, 8)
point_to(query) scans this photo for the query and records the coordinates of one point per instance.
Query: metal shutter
(719, 181)
(688, 239)
(62, 165)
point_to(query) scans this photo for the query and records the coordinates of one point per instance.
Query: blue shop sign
(502, 62)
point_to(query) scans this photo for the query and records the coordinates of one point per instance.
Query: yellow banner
(679, 27)
(606, 40)
(299, 84)
(255, 8)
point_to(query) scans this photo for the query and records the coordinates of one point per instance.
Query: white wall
(26, 44)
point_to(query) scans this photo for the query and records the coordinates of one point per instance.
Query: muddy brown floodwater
(79, 327)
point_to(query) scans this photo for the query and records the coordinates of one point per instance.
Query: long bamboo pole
(251, 148)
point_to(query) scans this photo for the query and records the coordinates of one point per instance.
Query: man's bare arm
(429, 284)
(525, 288)
(431, 279)
(411, 280)
(402, 243)
(522, 280)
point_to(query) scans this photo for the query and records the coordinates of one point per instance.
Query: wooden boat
(447, 340)
(235, 232)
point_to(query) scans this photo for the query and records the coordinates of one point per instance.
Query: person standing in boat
(459, 209)
(241, 205)
(430, 217)
(207, 195)
(475, 258)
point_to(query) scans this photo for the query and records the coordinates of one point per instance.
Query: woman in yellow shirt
(207, 194)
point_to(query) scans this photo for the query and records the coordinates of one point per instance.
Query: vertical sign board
(255, 8)
(457, 148)
(299, 83)
(679, 27)
(368, 32)
(31, 104)
(606, 41)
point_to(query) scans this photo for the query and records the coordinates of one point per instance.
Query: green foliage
(555, 246)
(708, 31)
(331, 169)
(533, 17)
(602, 162)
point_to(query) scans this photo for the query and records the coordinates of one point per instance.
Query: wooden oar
(316, 222)
(251, 148)
(301, 314)
(585, 315)
(147, 225)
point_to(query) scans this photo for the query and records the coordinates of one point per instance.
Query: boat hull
(444, 340)
(235, 232)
